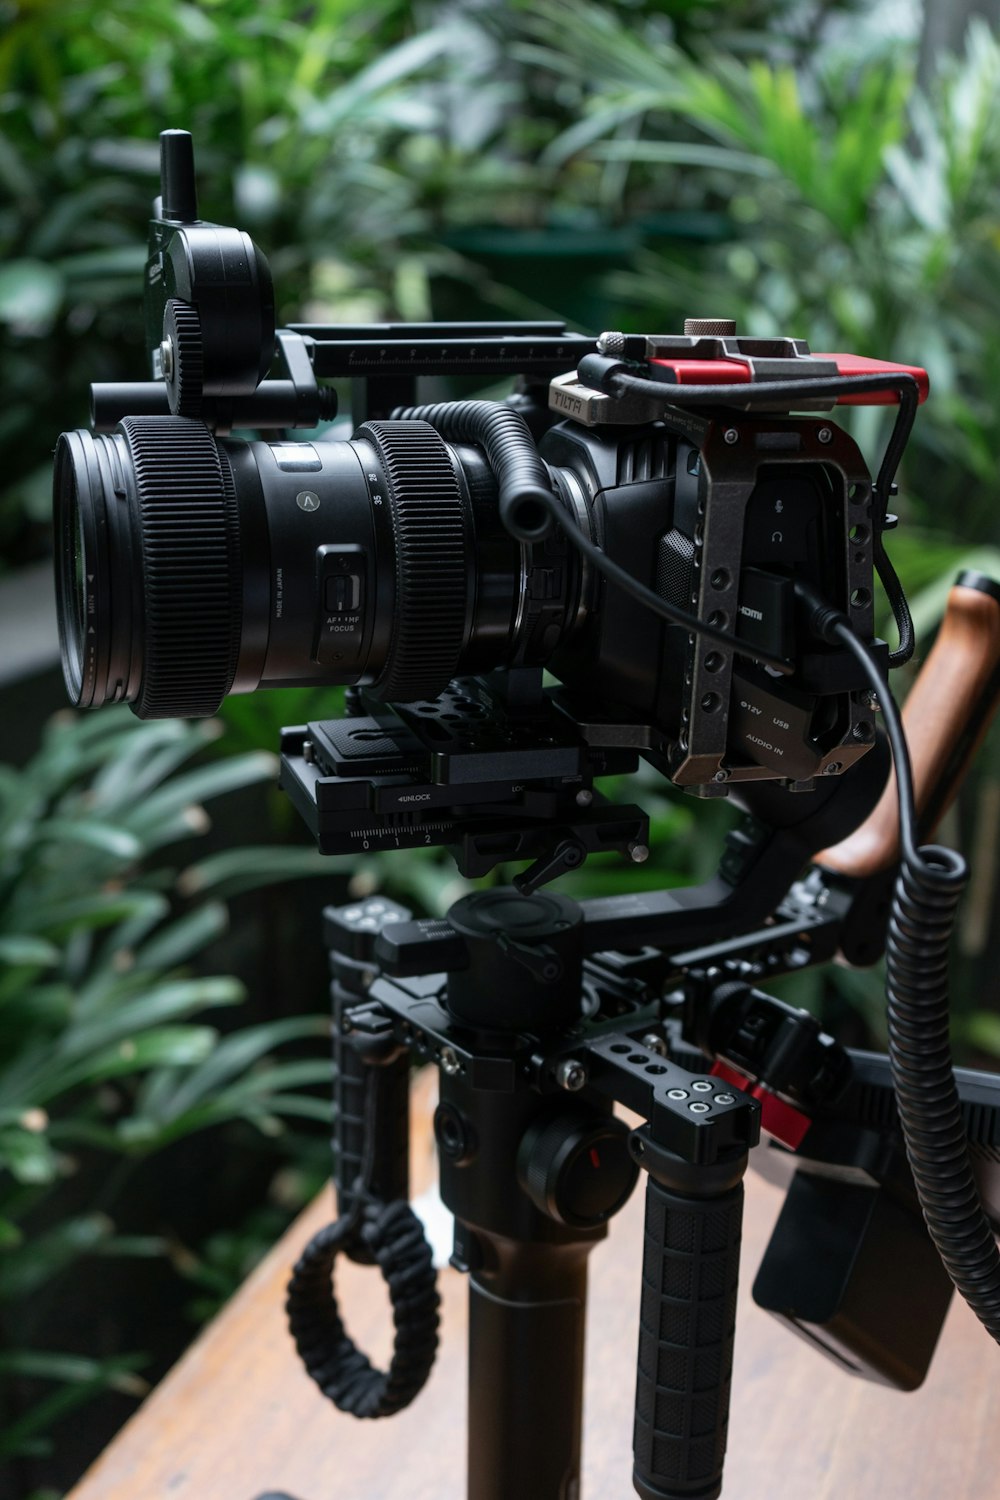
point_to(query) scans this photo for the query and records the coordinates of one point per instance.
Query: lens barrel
(191, 566)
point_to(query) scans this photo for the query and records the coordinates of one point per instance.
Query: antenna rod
(178, 188)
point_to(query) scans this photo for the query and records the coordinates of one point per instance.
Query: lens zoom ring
(429, 523)
(191, 573)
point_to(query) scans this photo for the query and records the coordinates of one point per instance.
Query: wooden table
(237, 1416)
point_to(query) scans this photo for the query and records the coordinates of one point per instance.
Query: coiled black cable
(930, 884)
(392, 1236)
(522, 478)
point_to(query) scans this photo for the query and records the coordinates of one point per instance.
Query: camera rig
(695, 565)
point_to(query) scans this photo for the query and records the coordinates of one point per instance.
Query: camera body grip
(687, 1326)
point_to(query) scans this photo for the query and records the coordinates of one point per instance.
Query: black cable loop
(393, 1237)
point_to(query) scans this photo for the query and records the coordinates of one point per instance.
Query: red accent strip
(703, 371)
(779, 1119)
(729, 1075)
(857, 364)
(787, 1124)
(730, 372)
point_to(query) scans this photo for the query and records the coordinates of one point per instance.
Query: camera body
(722, 522)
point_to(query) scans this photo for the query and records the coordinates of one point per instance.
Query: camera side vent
(644, 458)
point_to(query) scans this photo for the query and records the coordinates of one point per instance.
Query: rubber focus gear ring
(191, 571)
(186, 379)
(430, 531)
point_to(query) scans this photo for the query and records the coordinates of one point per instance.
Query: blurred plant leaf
(80, 1379)
(235, 871)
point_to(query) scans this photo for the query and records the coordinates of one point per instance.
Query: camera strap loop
(391, 1235)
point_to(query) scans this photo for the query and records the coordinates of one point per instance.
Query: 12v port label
(772, 731)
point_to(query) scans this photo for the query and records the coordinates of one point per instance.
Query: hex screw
(571, 1075)
(449, 1061)
(731, 435)
(655, 1043)
(167, 358)
(825, 435)
(638, 853)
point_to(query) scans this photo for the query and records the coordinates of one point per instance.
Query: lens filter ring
(189, 535)
(430, 529)
(84, 493)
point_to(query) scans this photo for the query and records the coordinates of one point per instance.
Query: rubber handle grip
(947, 710)
(371, 1119)
(687, 1327)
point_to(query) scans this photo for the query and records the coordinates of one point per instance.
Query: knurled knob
(720, 328)
(576, 1168)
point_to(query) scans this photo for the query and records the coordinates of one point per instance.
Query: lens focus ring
(191, 566)
(429, 526)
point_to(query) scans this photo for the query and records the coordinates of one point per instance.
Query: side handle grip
(371, 1119)
(687, 1327)
(946, 713)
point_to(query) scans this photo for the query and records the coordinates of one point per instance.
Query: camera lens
(191, 566)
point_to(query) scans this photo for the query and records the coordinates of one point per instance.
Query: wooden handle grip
(948, 709)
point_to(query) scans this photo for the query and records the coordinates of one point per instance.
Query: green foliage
(352, 140)
(865, 216)
(105, 1046)
(75, 1380)
(85, 88)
